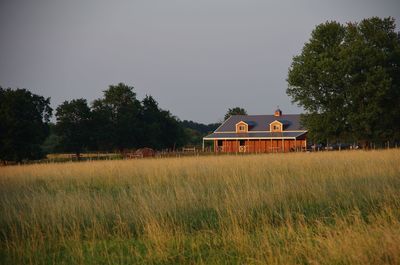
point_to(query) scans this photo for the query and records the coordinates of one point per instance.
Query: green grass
(323, 208)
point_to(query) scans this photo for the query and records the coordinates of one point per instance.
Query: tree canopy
(161, 129)
(347, 78)
(235, 111)
(116, 118)
(121, 121)
(24, 119)
(74, 125)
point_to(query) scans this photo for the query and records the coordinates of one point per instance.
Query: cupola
(278, 112)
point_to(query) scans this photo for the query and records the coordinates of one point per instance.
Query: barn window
(276, 126)
(219, 142)
(241, 127)
(242, 142)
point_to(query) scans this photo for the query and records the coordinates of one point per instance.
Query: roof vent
(278, 112)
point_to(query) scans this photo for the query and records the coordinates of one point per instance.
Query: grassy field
(302, 208)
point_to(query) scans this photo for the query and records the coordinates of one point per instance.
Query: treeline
(195, 131)
(115, 122)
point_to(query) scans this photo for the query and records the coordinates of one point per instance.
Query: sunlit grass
(303, 208)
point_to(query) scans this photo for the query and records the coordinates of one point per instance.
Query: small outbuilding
(145, 152)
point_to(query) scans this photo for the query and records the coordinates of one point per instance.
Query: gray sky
(197, 58)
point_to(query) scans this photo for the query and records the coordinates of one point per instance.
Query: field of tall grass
(300, 208)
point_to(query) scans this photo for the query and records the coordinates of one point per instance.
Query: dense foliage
(196, 131)
(161, 129)
(74, 125)
(120, 121)
(116, 122)
(347, 78)
(116, 118)
(24, 119)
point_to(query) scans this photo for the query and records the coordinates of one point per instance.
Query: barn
(259, 134)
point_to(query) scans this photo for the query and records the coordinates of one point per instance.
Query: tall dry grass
(318, 208)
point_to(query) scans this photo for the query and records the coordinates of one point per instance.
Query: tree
(74, 126)
(116, 118)
(52, 143)
(196, 131)
(193, 137)
(161, 129)
(151, 120)
(347, 78)
(24, 119)
(121, 121)
(235, 111)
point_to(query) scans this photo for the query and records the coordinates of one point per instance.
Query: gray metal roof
(260, 123)
(255, 135)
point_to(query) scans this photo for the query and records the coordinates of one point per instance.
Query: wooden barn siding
(261, 146)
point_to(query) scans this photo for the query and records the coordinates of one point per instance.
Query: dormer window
(276, 126)
(242, 127)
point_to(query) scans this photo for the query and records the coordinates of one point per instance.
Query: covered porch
(253, 143)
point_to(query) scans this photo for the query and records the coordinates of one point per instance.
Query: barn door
(242, 146)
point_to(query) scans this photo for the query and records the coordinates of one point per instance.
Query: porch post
(271, 148)
(305, 144)
(237, 146)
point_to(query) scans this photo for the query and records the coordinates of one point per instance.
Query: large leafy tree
(235, 111)
(116, 118)
(161, 129)
(24, 119)
(151, 120)
(347, 78)
(74, 122)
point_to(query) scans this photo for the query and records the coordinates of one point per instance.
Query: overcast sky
(197, 58)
